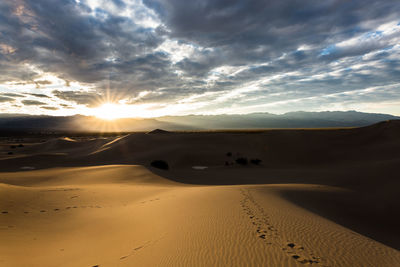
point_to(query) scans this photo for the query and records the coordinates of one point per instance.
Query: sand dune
(319, 197)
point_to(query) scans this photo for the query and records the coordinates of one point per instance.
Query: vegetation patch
(255, 161)
(160, 164)
(242, 161)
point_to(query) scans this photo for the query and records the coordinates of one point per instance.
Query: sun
(111, 111)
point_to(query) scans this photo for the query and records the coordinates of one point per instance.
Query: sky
(152, 58)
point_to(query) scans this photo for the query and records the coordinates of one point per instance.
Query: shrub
(10, 153)
(160, 164)
(241, 161)
(255, 161)
(20, 145)
(229, 154)
(12, 146)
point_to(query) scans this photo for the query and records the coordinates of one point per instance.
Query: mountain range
(300, 119)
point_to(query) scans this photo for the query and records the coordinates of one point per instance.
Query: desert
(232, 133)
(319, 197)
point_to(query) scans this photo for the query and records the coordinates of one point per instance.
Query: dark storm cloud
(32, 102)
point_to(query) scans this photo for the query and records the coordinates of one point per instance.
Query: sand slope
(80, 208)
(127, 216)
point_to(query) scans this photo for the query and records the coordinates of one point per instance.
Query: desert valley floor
(319, 197)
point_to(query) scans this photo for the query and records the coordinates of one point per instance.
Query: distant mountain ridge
(300, 119)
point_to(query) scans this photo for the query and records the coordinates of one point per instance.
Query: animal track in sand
(267, 232)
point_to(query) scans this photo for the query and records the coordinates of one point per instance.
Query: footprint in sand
(4, 212)
(296, 250)
(258, 217)
(42, 211)
(266, 231)
(135, 249)
(138, 248)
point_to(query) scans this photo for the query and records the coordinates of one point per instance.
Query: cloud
(239, 33)
(66, 106)
(32, 103)
(12, 95)
(222, 54)
(39, 95)
(6, 99)
(82, 45)
(49, 108)
(42, 82)
(81, 98)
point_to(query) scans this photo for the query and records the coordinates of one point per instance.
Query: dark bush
(241, 161)
(255, 161)
(12, 146)
(10, 153)
(229, 154)
(160, 164)
(20, 145)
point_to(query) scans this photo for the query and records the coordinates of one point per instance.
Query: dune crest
(158, 131)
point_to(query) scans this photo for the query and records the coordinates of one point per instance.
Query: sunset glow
(109, 111)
